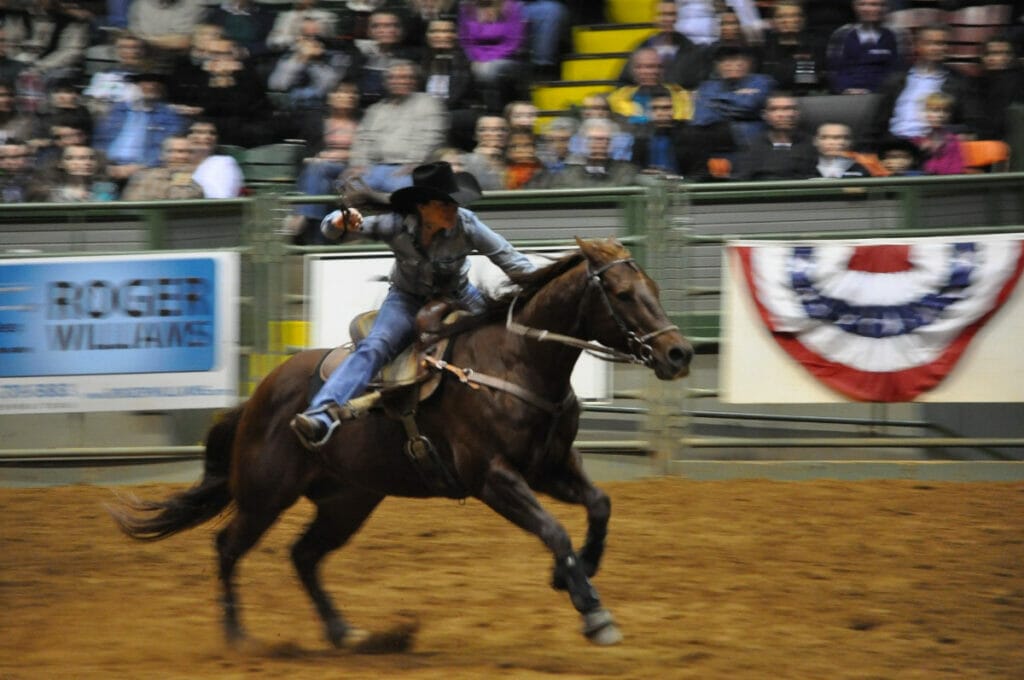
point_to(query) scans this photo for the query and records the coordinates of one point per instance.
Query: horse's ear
(586, 247)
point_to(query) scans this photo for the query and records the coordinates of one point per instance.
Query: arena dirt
(747, 579)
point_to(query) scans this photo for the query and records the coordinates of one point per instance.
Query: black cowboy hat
(436, 181)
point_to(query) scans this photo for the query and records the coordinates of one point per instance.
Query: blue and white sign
(114, 333)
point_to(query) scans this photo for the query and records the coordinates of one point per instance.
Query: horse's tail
(153, 520)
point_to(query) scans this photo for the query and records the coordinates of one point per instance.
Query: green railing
(664, 223)
(701, 218)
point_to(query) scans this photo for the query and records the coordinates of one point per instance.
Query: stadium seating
(272, 165)
(986, 155)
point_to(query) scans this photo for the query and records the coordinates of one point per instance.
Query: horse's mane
(526, 285)
(523, 286)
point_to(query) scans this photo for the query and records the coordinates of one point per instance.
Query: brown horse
(498, 444)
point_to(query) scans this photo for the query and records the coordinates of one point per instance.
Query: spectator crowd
(135, 99)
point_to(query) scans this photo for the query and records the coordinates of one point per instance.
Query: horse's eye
(624, 295)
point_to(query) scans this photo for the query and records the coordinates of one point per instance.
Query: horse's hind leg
(338, 518)
(508, 494)
(571, 485)
(234, 541)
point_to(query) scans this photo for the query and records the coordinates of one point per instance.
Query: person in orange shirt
(522, 166)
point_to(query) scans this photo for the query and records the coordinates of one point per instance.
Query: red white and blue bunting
(880, 320)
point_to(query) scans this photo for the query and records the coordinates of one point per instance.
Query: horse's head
(624, 311)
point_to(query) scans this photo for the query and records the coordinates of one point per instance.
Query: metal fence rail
(677, 230)
(700, 219)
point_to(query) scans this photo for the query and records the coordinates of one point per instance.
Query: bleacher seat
(236, 152)
(985, 155)
(629, 11)
(605, 38)
(594, 66)
(272, 164)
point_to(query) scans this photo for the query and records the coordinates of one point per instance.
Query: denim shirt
(160, 122)
(442, 268)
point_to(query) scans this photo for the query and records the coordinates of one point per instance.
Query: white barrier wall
(341, 286)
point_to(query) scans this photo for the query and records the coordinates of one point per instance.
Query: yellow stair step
(610, 38)
(564, 95)
(629, 11)
(594, 67)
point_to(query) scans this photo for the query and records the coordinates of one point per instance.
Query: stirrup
(308, 429)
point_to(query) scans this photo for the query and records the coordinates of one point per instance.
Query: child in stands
(940, 146)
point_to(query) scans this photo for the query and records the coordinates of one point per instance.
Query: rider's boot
(315, 427)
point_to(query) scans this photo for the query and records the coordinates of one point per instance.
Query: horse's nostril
(680, 356)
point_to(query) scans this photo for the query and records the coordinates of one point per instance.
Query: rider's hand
(348, 220)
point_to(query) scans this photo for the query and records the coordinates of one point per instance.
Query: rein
(640, 351)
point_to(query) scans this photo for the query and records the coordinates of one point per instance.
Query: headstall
(640, 351)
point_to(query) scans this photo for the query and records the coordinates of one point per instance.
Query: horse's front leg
(508, 494)
(571, 485)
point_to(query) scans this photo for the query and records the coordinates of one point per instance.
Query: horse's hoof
(235, 636)
(353, 638)
(599, 627)
(607, 636)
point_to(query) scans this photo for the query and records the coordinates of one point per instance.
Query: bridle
(640, 350)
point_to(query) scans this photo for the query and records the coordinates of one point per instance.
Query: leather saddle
(402, 384)
(408, 368)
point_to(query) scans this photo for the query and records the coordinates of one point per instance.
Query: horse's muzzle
(674, 362)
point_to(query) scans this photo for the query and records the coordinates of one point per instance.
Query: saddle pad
(404, 371)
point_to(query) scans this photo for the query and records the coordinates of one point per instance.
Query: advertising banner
(342, 286)
(111, 333)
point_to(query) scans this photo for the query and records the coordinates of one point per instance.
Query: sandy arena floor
(751, 579)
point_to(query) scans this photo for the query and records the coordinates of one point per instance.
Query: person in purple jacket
(861, 55)
(493, 33)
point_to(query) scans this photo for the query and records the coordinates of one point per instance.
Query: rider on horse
(431, 236)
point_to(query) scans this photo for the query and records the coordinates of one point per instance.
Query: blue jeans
(547, 18)
(318, 178)
(386, 177)
(393, 330)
